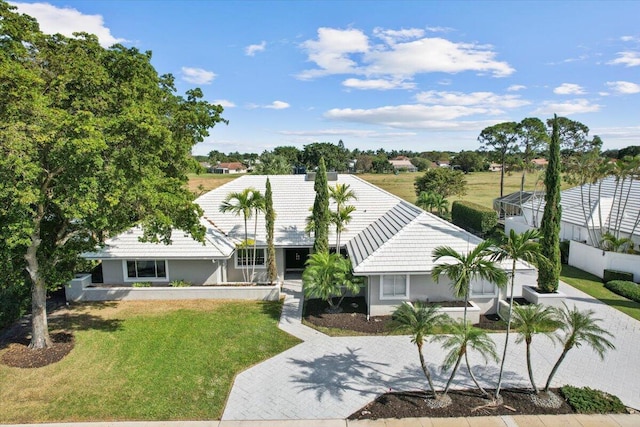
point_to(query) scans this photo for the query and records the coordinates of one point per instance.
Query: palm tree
(418, 320)
(533, 319)
(425, 200)
(440, 204)
(461, 338)
(515, 247)
(326, 275)
(341, 194)
(466, 268)
(580, 328)
(341, 218)
(258, 204)
(241, 203)
(610, 242)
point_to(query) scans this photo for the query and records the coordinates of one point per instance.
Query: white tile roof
(292, 198)
(127, 245)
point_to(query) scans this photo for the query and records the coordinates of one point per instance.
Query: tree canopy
(92, 141)
(444, 181)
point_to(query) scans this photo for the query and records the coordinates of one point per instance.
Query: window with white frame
(394, 286)
(244, 257)
(483, 288)
(147, 269)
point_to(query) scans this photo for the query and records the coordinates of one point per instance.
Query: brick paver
(330, 378)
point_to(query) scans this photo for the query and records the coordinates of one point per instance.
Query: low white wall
(516, 223)
(595, 261)
(79, 290)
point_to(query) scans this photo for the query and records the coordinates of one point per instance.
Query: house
(589, 211)
(389, 241)
(230, 167)
(495, 167)
(539, 163)
(403, 163)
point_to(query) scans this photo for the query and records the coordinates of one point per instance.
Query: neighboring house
(403, 163)
(444, 164)
(589, 211)
(511, 204)
(389, 241)
(495, 167)
(539, 163)
(231, 167)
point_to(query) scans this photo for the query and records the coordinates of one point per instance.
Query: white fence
(80, 289)
(595, 261)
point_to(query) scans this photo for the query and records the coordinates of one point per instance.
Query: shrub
(564, 251)
(142, 285)
(472, 216)
(180, 284)
(15, 299)
(624, 288)
(610, 275)
(585, 400)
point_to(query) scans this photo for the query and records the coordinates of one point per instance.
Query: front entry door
(294, 259)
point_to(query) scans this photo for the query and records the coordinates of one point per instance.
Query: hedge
(624, 288)
(586, 400)
(473, 216)
(610, 275)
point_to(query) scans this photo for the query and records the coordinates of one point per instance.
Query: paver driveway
(327, 377)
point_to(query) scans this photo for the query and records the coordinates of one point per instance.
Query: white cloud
(224, 102)
(331, 51)
(377, 84)
(394, 36)
(197, 76)
(484, 99)
(413, 116)
(628, 59)
(623, 87)
(630, 39)
(67, 21)
(569, 89)
(515, 88)
(405, 54)
(567, 108)
(440, 29)
(253, 48)
(277, 105)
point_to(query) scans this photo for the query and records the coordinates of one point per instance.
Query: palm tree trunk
(245, 266)
(453, 373)
(473, 377)
(425, 369)
(506, 339)
(530, 369)
(555, 368)
(255, 242)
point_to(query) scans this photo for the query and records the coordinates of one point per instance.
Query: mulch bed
(464, 404)
(19, 355)
(354, 317)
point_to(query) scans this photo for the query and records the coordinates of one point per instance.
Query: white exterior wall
(595, 261)
(196, 272)
(261, 275)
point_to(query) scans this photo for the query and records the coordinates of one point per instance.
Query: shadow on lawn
(273, 309)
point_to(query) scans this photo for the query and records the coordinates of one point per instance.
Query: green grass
(482, 187)
(155, 360)
(593, 286)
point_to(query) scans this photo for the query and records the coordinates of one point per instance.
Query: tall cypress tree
(270, 217)
(321, 215)
(549, 273)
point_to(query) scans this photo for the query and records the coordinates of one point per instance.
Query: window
(244, 257)
(147, 269)
(483, 288)
(394, 286)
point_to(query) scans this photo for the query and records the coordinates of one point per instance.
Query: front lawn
(592, 285)
(156, 360)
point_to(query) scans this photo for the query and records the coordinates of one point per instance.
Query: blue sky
(415, 75)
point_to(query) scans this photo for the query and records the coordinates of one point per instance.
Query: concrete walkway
(330, 378)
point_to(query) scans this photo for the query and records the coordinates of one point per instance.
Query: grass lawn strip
(160, 360)
(592, 285)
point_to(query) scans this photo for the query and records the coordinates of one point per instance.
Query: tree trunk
(473, 377)
(425, 369)
(506, 339)
(39, 327)
(530, 369)
(555, 368)
(255, 243)
(453, 373)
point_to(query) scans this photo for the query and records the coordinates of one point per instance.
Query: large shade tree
(502, 139)
(92, 141)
